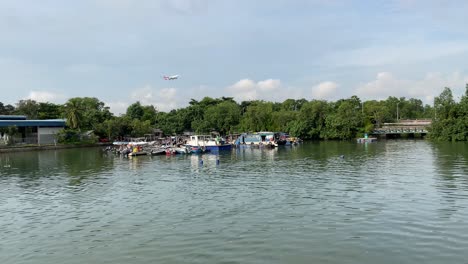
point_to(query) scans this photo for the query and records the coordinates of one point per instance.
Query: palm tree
(73, 113)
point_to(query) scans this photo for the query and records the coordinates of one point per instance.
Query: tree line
(315, 119)
(450, 122)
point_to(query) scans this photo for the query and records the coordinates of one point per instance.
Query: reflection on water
(75, 164)
(320, 202)
(451, 162)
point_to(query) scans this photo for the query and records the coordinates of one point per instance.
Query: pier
(404, 127)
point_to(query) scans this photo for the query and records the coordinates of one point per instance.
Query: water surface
(327, 202)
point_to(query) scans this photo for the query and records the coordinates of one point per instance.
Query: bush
(68, 136)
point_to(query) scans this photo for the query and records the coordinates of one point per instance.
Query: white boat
(131, 143)
(258, 139)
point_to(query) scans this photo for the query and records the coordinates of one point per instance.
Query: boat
(197, 149)
(137, 150)
(132, 143)
(182, 150)
(281, 138)
(141, 153)
(158, 151)
(207, 142)
(292, 141)
(366, 139)
(176, 150)
(261, 139)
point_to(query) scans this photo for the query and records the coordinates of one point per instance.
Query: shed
(33, 131)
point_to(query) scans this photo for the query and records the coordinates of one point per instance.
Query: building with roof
(30, 131)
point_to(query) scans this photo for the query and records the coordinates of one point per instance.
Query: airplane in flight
(170, 78)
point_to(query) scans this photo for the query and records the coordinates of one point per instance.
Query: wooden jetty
(404, 127)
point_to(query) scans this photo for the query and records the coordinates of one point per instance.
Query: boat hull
(219, 147)
(208, 143)
(134, 154)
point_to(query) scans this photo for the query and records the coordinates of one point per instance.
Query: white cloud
(269, 85)
(118, 108)
(243, 85)
(164, 99)
(386, 84)
(325, 90)
(168, 94)
(247, 89)
(45, 96)
(144, 95)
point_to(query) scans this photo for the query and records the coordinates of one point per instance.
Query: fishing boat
(129, 148)
(260, 139)
(207, 142)
(140, 153)
(182, 150)
(197, 149)
(158, 151)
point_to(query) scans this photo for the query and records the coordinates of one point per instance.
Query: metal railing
(401, 130)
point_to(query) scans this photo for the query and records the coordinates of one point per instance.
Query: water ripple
(332, 202)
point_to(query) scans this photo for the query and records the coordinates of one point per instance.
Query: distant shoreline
(12, 149)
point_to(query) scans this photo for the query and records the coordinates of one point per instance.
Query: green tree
(49, 111)
(149, 113)
(174, 122)
(376, 112)
(135, 111)
(282, 119)
(257, 116)
(445, 104)
(445, 126)
(29, 108)
(140, 128)
(345, 121)
(223, 117)
(311, 120)
(73, 112)
(86, 113)
(6, 109)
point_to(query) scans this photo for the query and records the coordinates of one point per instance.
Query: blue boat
(212, 144)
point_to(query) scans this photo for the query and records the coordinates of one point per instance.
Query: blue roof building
(12, 117)
(31, 131)
(34, 123)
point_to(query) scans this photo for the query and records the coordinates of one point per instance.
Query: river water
(325, 202)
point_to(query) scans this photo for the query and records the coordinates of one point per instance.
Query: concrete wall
(46, 135)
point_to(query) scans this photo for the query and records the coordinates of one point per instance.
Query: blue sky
(117, 50)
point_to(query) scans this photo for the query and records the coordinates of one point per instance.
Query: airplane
(170, 78)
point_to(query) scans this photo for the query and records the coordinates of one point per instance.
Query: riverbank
(9, 149)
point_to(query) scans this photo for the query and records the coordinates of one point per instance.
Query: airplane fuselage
(173, 77)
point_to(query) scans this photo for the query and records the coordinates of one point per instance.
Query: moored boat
(197, 149)
(261, 139)
(208, 143)
(141, 153)
(366, 139)
(158, 151)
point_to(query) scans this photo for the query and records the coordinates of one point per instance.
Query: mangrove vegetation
(309, 119)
